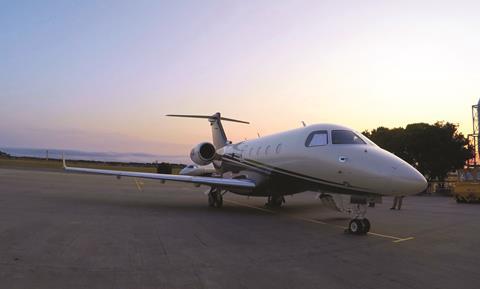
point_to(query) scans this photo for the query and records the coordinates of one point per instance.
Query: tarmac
(63, 230)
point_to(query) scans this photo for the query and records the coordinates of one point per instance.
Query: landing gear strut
(275, 201)
(215, 198)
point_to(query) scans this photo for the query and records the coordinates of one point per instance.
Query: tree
(434, 149)
(392, 140)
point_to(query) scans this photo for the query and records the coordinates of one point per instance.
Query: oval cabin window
(278, 149)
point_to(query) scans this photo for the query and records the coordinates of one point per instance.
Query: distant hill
(4, 155)
(96, 156)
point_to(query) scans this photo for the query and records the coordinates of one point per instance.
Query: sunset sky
(101, 75)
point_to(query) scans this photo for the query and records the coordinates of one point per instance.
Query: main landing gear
(359, 225)
(215, 198)
(275, 201)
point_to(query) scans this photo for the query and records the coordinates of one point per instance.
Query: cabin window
(258, 151)
(251, 152)
(346, 137)
(267, 150)
(278, 149)
(317, 138)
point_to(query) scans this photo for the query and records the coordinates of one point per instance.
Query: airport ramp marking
(139, 184)
(395, 239)
(404, 239)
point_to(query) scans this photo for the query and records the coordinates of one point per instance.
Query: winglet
(63, 159)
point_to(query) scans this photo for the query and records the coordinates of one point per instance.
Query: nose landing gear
(359, 225)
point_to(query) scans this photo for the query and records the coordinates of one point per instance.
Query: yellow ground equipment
(467, 187)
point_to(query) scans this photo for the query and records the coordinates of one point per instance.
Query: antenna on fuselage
(304, 125)
(258, 134)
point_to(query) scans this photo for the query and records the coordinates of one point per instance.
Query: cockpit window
(346, 137)
(317, 138)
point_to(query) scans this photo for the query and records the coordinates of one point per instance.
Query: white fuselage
(361, 167)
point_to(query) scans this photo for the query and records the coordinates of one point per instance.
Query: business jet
(347, 169)
(196, 170)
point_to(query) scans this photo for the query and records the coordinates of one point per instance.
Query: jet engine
(203, 154)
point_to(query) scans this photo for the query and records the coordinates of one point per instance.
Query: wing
(243, 184)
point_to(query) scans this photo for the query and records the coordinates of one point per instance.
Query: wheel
(215, 198)
(274, 202)
(355, 226)
(211, 200)
(218, 200)
(278, 201)
(366, 225)
(269, 203)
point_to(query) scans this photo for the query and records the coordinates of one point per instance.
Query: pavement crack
(200, 240)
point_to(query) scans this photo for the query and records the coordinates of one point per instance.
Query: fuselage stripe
(258, 165)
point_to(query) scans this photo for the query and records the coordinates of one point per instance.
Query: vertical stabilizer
(218, 133)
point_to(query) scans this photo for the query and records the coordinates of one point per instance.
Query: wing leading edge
(208, 181)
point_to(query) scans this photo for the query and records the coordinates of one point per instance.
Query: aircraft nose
(407, 180)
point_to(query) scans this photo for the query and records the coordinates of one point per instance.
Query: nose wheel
(215, 198)
(359, 226)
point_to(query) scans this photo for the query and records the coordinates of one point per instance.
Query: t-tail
(218, 133)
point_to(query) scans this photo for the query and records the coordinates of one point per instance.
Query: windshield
(346, 137)
(317, 138)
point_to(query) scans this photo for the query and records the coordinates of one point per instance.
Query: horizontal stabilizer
(215, 116)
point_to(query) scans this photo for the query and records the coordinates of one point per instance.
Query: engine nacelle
(203, 153)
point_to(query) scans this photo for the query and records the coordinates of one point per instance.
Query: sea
(95, 156)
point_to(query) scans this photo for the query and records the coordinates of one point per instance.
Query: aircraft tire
(356, 227)
(211, 200)
(366, 225)
(218, 201)
(275, 202)
(215, 198)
